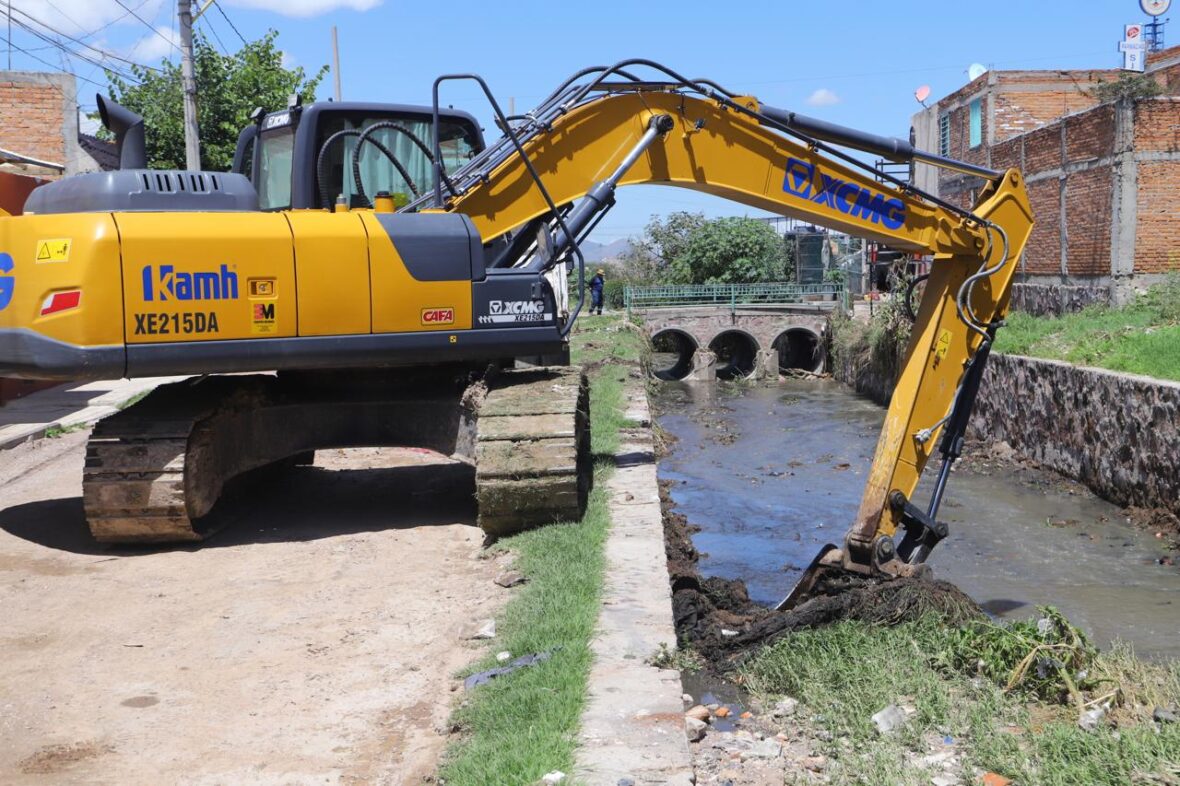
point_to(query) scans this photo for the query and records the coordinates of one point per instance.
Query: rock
(766, 749)
(503, 657)
(728, 633)
(1090, 720)
(746, 715)
(1163, 715)
(785, 708)
(721, 712)
(944, 780)
(695, 729)
(487, 630)
(814, 763)
(994, 779)
(625, 782)
(687, 699)
(510, 579)
(712, 707)
(550, 778)
(699, 712)
(889, 719)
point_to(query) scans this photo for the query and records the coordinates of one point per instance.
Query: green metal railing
(735, 296)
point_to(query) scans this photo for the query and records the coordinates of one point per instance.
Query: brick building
(39, 122)
(1103, 177)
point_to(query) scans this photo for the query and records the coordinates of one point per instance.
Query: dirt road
(312, 640)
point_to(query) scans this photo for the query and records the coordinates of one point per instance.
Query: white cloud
(77, 17)
(305, 7)
(823, 97)
(288, 60)
(153, 47)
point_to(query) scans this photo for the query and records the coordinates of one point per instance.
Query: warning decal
(57, 250)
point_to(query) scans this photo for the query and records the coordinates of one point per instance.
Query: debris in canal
(708, 611)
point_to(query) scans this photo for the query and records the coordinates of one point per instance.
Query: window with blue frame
(976, 123)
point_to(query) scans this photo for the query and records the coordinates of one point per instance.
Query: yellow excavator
(389, 275)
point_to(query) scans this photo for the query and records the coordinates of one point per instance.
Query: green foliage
(731, 251)
(1142, 337)
(1128, 86)
(229, 87)
(957, 680)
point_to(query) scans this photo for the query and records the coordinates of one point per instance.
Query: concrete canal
(771, 473)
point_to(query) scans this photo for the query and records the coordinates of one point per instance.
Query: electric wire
(229, 21)
(149, 25)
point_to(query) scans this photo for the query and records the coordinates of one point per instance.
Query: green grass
(53, 432)
(958, 681)
(516, 729)
(1142, 337)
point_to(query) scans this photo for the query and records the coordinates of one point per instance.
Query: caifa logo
(438, 316)
(805, 181)
(7, 282)
(166, 283)
(497, 307)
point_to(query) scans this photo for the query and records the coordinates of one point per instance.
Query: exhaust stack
(128, 130)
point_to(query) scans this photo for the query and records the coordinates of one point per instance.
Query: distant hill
(605, 252)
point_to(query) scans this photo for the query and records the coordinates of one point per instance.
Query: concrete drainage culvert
(672, 354)
(737, 354)
(799, 349)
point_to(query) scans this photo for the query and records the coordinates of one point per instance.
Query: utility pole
(192, 144)
(9, 35)
(336, 62)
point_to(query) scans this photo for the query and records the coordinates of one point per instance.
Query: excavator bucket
(828, 556)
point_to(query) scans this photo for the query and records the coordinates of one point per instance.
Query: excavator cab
(349, 151)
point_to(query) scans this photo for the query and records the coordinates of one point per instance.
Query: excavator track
(139, 483)
(532, 450)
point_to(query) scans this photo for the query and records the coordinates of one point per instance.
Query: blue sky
(853, 62)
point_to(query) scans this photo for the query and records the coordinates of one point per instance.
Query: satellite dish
(976, 70)
(922, 93)
(1155, 7)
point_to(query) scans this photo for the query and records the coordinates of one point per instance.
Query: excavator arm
(585, 141)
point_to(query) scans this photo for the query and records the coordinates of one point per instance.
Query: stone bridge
(703, 342)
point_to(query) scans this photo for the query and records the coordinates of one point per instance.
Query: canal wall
(1119, 434)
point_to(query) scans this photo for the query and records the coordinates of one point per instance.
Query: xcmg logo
(7, 282)
(165, 283)
(804, 181)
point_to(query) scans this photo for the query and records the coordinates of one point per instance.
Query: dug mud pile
(716, 617)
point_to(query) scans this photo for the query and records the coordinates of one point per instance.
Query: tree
(730, 251)
(1127, 86)
(229, 87)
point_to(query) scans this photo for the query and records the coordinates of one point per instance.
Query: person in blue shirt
(596, 285)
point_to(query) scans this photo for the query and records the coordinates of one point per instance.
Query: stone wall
(1057, 299)
(1119, 434)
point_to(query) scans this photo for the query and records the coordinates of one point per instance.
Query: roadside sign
(1134, 48)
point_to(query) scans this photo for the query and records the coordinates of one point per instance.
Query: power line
(53, 66)
(148, 25)
(102, 52)
(228, 21)
(65, 49)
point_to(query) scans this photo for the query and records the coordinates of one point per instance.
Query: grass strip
(516, 729)
(960, 682)
(1142, 337)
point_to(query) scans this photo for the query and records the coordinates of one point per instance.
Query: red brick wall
(1090, 135)
(31, 118)
(1042, 255)
(1087, 213)
(1157, 234)
(1157, 125)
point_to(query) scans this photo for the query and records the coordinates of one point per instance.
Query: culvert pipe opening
(799, 349)
(672, 353)
(737, 354)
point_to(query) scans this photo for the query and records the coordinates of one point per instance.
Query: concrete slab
(633, 725)
(68, 405)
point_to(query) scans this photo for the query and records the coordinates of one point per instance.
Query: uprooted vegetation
(1032, 700)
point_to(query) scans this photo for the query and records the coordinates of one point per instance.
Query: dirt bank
(312, 640)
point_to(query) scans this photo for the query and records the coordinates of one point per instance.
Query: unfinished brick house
(39, 125)
(1104, 178)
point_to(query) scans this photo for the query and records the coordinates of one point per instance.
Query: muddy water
(770, 474)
